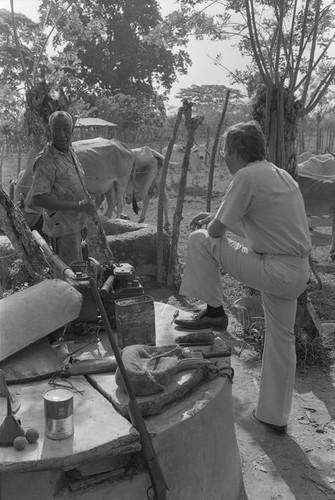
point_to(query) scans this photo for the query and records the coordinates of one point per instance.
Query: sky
(203, 70)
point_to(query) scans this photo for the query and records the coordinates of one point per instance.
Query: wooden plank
(31, 314)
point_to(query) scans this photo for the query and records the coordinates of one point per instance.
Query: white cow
(107, 165)
(306, 155)
(318, 166)
(196, 165)
(319, 196)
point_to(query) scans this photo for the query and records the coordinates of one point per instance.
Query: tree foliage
(137, 117)
(11, 104)
(209, 100)
(11, 72)
(116, 45)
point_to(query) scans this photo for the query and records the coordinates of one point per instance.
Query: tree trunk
(13, 225)
(1, 162)
(280, 125)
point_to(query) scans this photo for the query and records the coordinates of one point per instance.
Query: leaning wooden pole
(214, 150)
(12, 223)
(160, 215)
(192, 123)
(150, 458)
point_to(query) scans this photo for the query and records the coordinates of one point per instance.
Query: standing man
(58, 188)
(265, 203)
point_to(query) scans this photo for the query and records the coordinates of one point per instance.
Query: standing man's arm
(50, 202)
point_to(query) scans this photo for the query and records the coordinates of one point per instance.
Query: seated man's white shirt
(267, 202)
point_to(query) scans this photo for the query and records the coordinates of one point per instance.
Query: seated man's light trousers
(280, 279)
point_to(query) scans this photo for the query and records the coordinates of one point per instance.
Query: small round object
(32, 435)
(20, 442)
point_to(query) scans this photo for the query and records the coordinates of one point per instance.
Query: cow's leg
(120, 197)
(332, 248)
(99, 198)
(145, 201)
(110, 199)
(144, 193)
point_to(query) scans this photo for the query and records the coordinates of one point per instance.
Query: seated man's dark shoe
(281, 430)
(201, 320)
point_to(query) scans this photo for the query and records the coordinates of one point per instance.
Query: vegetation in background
(290, 43)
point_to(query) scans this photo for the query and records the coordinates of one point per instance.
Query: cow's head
(200, 151)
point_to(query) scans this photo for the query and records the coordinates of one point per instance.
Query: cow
(146, 179)
(106, 164)
(319, 198)
(318, 166)
(306, 155)
(196, 165)
(110, 168)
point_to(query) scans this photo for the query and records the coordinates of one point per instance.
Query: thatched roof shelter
(86, 128)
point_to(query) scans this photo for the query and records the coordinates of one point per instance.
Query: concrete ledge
(130, 242)
(138, 246)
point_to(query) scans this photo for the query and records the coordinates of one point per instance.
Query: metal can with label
(58, 411)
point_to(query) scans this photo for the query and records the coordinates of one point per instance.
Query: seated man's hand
(202, 219)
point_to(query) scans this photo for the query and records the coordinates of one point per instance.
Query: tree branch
(312, 53)
(300, 51)
(255, 43)
(315, 64)
(320, 91)
(18, 48)
(38, 55)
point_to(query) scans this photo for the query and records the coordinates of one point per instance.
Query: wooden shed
(87, 128)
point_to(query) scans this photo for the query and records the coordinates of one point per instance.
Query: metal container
(135, 321)
(58, 411)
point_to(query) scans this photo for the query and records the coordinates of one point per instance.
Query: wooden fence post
(214, 150)
(191, 123)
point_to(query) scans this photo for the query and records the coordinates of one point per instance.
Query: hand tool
(199, 353)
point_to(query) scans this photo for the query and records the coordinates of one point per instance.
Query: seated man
(265, 202)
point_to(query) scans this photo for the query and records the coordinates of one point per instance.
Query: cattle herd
(119, 174)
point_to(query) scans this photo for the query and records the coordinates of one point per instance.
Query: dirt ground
(301, 465)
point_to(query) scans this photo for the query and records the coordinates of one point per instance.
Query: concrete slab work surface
(193, 437)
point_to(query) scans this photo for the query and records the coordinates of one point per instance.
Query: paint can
(135, 321)
(58, 411)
